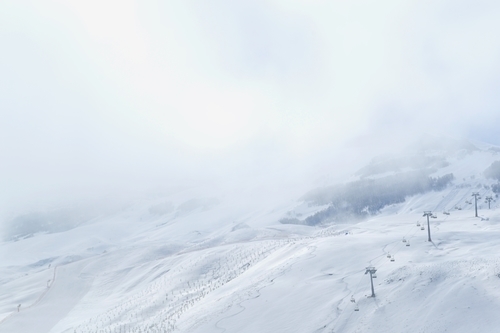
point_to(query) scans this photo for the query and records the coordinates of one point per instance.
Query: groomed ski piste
(223, 267)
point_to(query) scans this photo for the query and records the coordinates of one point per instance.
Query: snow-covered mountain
(200, 261)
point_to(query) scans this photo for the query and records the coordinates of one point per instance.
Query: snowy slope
(226, 266)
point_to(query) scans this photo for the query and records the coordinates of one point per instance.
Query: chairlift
(459, 208)
(374, 275)
(446, 213)
(388, 255)
(408, 243)
(393, 259)
(422, 228)
(356, 308)
(418, 224)
(434, 216)
(404, 240)
(352, 299)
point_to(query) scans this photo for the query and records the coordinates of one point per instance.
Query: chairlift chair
(408, 243)
(404, 240)
(388, 255)
(352, 299)
(356, 308)
(422, 228)
(418, 224)
(393, 259)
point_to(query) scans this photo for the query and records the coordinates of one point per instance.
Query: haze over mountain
(198, 260)
(236, 165)
(113, 99)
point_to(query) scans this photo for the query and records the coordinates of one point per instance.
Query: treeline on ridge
(368, 196)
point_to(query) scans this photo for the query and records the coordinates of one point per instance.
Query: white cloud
(102, 94)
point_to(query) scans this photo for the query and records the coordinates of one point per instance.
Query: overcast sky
(111, 96)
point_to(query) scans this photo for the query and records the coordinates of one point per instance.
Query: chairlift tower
(476, 196)
(372, 272)
(428, 213)
(488, 200)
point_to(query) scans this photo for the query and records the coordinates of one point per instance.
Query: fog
(117, 100)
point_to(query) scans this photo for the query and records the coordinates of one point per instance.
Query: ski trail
(54, 304)
(36, 301)
(280, 273)
(446, 200)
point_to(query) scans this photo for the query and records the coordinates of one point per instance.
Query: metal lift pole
(428, 214)
(475, 195)
(371, 280)
(488, 199)
(372, 271)
(428, 229)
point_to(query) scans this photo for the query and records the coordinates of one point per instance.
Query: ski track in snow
(341, 318)
(173, 274)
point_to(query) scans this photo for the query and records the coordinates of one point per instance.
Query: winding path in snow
(54, 303)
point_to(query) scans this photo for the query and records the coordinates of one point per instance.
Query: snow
(232, 267)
